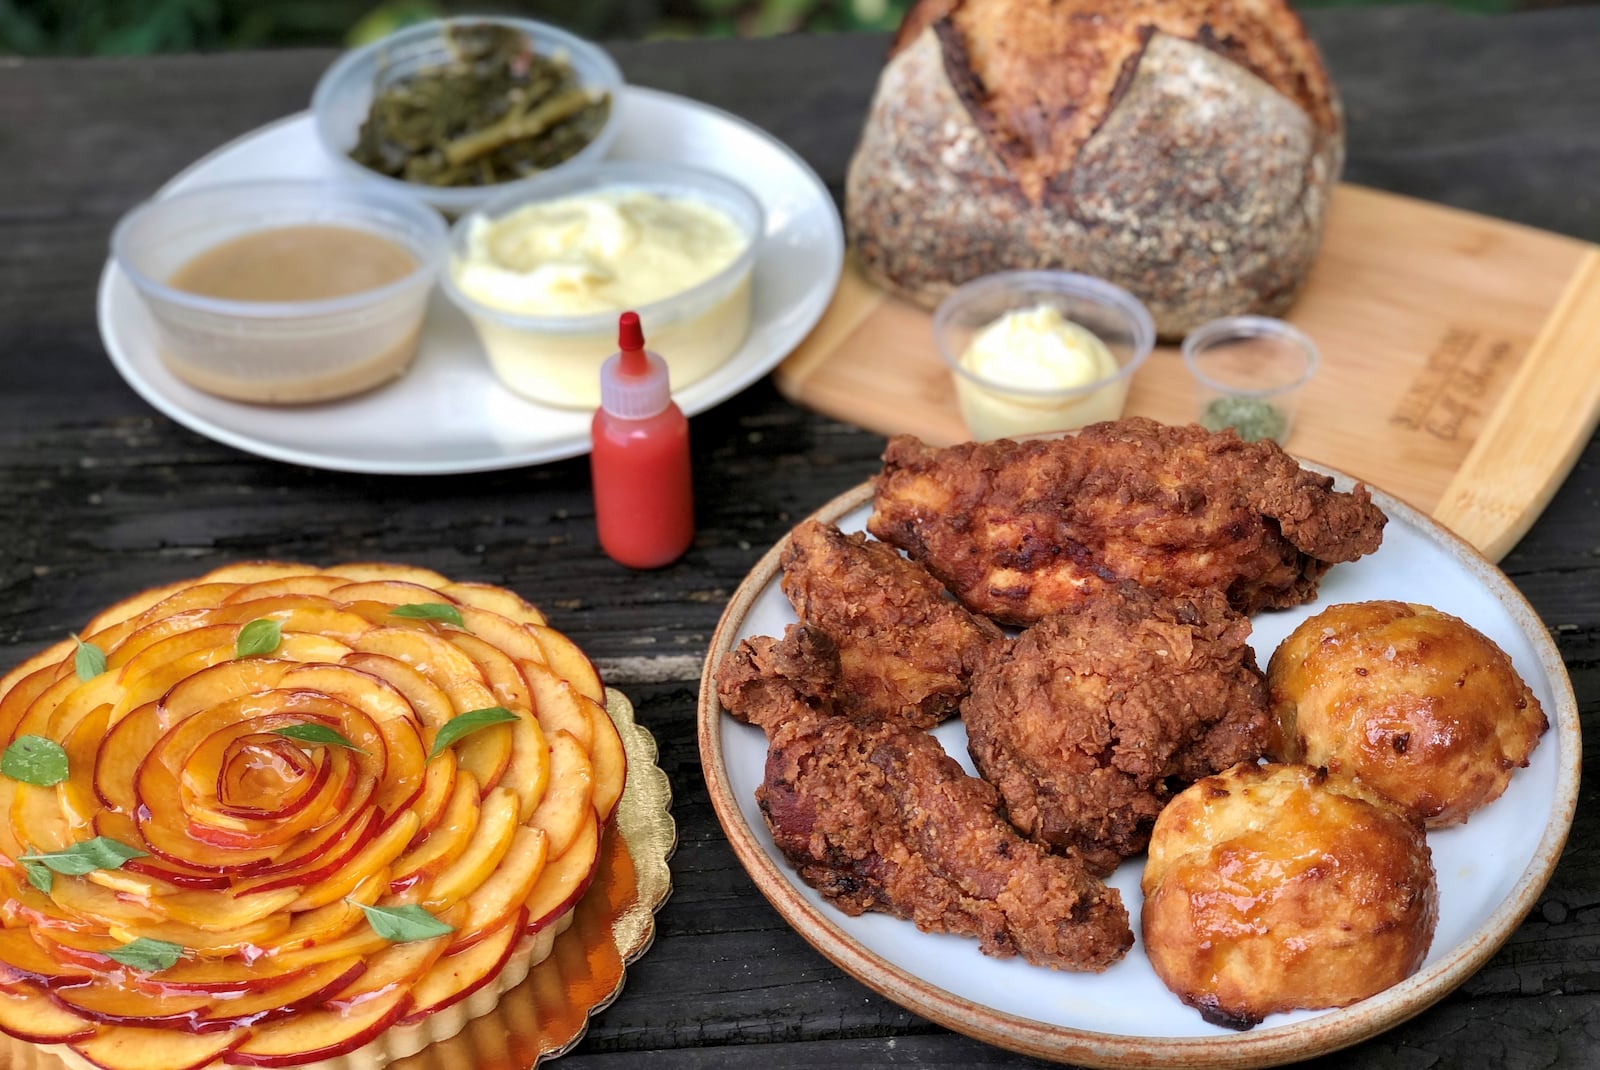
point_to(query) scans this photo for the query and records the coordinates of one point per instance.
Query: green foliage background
(121, 27)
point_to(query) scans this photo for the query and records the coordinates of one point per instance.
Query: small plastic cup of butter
(1249, 373)
(273, 349)
(543, 273)
(1033, 352)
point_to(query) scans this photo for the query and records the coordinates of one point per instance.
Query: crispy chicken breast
(1019, 529)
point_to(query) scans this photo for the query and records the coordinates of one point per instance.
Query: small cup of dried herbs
(456, 110)
(1249, 373)
(1253, 418)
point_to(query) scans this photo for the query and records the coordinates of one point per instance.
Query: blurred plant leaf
(21, 31)
(780, 16)
(88, 27)
(387, 17)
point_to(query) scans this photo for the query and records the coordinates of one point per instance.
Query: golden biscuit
(1276, 887)
(1416, 703)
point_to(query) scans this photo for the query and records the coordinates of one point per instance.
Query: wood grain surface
(1444, 335)
(99, 496)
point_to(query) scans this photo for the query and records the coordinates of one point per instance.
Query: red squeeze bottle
(643, 494)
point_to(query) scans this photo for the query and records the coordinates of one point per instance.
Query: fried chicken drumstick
(876, 816)
(906, 649)
(1102, 711)
(1019, 529)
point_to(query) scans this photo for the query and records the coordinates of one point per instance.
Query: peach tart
(288, 816)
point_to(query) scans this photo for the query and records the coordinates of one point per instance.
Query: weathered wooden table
(99, 496)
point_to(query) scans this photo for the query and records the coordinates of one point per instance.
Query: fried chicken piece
(1019, 529)
(1100, 712)
(766, 682)
(876, 816)
(906, 648)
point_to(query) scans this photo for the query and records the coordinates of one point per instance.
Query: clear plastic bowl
(555, 360)
(994, 408)
(343, 98)
(279, 351)
(1249, 373)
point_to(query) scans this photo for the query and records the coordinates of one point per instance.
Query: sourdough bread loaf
(1183, 149)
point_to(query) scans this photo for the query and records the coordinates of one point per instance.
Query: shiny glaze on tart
(264, 818)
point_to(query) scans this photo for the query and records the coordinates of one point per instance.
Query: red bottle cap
(633, 381)
(630, 340)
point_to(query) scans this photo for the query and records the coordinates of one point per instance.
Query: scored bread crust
(1183, 150)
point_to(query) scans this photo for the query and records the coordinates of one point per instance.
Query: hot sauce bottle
(643, 493)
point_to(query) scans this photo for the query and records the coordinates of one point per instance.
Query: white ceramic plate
(449, 413)
(1490, 870)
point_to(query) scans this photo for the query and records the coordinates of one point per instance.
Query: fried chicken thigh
(1101, 711)
(1019, 529)
(769, 682)
(876, 816)
(906, 648)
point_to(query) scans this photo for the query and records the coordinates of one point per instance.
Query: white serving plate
(449, 413)
(1490, 870)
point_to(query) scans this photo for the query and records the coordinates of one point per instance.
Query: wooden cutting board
(1460, 370)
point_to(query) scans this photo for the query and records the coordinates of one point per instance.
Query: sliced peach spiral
(271, 798)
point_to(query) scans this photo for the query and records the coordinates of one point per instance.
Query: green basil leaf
(35, 760)
(147, 954)
(400, 925)
(38, 876)
(89, 661)
(316, 733)
(467, 723)
(429, 611)
(260, 636)
(86, 857)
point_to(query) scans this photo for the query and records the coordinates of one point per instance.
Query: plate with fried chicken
(1144, 746)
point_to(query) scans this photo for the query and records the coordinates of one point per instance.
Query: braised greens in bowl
(456, 109)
